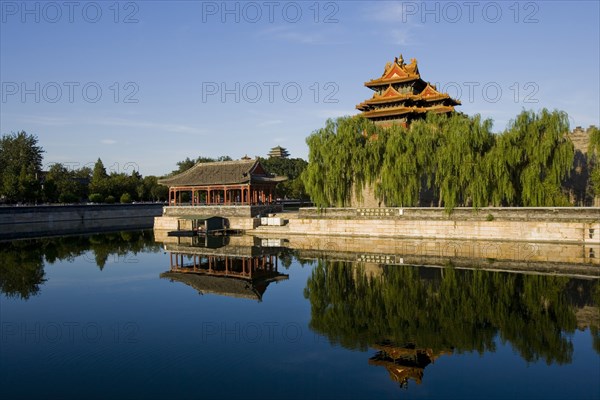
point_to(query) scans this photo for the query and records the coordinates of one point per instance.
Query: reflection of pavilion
(235, 271)
(404, 363)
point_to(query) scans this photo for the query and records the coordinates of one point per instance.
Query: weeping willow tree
(545, 156)
(457, 158)
(407, 164)
(459, 177)
(341, 157)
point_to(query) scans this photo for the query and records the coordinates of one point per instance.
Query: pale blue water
(122, 331)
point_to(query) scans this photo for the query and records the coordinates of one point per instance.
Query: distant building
(278, 152)
(579, 181)
(401, 96)
(581, 138)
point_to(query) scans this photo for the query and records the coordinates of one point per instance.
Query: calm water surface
(114, 315)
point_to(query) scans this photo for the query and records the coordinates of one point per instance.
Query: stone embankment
(37, 221)
(559, 224)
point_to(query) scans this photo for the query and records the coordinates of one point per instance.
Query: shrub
(68, 198)
(109, 199)
(96, 198)
(125, 198)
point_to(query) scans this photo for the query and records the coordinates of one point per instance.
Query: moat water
(120, 316)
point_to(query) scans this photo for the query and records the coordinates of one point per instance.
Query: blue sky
(146, 84)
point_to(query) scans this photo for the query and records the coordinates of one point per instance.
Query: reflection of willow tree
(22, 261)
(459, 309)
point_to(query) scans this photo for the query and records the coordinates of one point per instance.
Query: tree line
(22, 179)
(448, 161)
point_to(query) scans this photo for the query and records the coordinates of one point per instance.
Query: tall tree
(546, 156)
(99, 182)
(189, 163)
(20, 167)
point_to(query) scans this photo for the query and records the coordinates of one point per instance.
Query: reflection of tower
(230, 270)
(405, 362)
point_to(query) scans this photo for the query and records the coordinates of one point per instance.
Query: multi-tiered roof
(279, 152)
(402, 96)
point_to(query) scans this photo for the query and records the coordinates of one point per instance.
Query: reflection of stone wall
(494, 255)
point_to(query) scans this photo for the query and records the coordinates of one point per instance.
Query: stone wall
(163, 225)
(570, 224)
(220, 211)
(558, 224)
(573, 214)
(21, 222)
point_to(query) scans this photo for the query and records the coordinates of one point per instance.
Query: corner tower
(401, 96)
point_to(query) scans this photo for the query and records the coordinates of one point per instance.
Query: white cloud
(295, 34)
(108, 141)
(174, 128)
(398, 12)
(394, 20)
(116, 122)
(270, 122)
(334, 113)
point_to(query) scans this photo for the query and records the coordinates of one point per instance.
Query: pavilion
(239, 182)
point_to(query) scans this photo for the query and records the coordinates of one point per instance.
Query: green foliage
(545, 156)
(110, 199)
(456, 159)
(594, 161)
(340, 158)
(152, 190)
(99, 182)
(96, 198)
(189, 163)
(20, 166)
(125, 198)
(68, 198)
(293, 188)
(66, 185)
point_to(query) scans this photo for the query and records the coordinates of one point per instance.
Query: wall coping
(586, 214)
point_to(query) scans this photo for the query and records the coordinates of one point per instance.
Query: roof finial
(400, 60)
